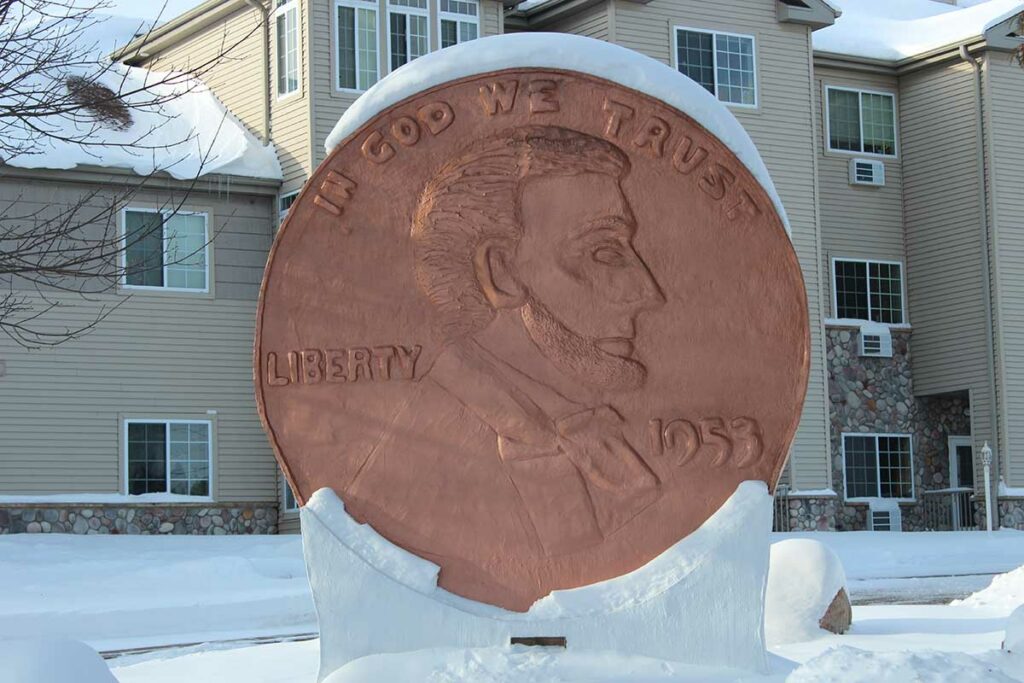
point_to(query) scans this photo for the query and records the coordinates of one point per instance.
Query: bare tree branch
(59, 90)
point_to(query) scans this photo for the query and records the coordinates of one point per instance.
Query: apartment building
(893, 137)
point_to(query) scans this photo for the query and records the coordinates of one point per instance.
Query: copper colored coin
(534, 327)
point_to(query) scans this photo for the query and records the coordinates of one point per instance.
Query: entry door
(961, 476)
(961, 462)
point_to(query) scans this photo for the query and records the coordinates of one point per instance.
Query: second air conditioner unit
(867, 172)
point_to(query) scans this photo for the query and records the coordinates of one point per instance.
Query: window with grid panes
(287, 26)
(721, 62)
(878, 465)
(165, 250)
(408, 31)
(356, 27)
(868, 290)
(168, 456)
(460, 21)
(863, 122)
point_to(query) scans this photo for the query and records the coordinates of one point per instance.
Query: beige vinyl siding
(593, 22)
(856, 221)
(943, 224)
(159, 355)
(329, 103)
(1004, 93)
(781, 128)
(290, 115)
(233, 49)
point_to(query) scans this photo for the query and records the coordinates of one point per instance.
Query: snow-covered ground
(916, 568)
(120, 592)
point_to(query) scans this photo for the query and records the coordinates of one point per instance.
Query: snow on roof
(897, 29)
(530, 4)
(561, 51)
(177, 126)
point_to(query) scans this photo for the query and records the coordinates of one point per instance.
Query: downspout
(265, 19)
(985, 259)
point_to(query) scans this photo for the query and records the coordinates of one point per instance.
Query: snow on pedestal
(1014, 639)
(804, 578)
(51, 660)
(701, 602)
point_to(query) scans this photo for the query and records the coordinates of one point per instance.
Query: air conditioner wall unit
(884, 515)
(875, 340)
(867, 172)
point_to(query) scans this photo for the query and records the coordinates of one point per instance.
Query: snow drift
(804, 577)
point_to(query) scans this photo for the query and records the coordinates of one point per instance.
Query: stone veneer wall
(812, 514)
(1010, 513)
(243, 518)
(876, 395)
(867, 395)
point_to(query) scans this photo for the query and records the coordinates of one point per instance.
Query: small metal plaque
(540, 641)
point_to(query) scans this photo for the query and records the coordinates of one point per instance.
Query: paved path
(918, 590)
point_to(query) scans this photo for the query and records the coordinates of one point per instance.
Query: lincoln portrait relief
(523, 245)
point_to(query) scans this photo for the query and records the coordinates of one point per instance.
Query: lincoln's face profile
(524, 246)
(524, 243)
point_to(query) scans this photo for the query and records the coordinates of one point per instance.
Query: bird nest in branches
(100, 101)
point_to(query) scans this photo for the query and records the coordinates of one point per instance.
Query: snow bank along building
(893, 130)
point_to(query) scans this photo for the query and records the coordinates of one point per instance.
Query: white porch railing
(949, 509)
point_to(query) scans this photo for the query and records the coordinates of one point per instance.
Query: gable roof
(176, 125)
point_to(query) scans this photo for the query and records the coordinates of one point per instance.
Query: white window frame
(283, 213)
(356, 5)
(860, 113)
(167, 452)
(867, 264)
(402, 9)
(714, 56)
(878, 468)
(457, 18)
(286, 8)
(285, 490)
(164, 288)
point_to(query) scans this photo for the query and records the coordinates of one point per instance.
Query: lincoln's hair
(476, 197)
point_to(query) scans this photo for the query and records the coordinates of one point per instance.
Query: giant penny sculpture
(534, 327)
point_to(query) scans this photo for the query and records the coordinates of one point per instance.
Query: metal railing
(780, 518)
(949, 510)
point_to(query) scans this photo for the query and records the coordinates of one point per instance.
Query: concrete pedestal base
(701, 602)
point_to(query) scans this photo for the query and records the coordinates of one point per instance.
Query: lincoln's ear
(494, 272)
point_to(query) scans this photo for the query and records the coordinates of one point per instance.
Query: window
(721, 62)
(290, 504)
(868, 290)
(459, 21)
(165, 456)
(287, 18)
(167, 250)
(861, 121)
(356, 36)
(408, 33)
(284, 203)
(878, 466)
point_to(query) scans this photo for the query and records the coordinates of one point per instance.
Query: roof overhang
(900, 67)
(814, 13)
(549, 12)
(1007, 34)
(165, 35)
(123, 177)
